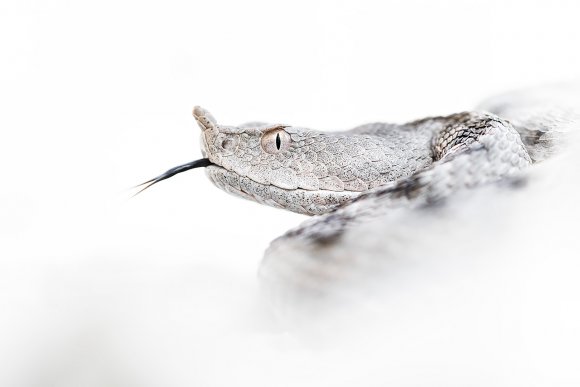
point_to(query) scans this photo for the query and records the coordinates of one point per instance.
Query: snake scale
(346, 178)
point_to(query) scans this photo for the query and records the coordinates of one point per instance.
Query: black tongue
(174, 171)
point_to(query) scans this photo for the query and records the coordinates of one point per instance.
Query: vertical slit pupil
(278, 141)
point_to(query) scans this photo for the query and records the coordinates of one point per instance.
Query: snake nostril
(228, 144)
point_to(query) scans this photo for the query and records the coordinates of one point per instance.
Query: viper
(344, 179)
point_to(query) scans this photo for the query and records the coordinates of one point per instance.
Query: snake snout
(204, 118)
(209, 130)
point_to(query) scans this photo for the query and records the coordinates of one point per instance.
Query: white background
(100, 290)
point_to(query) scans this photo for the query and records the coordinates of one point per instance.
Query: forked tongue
(172, 172)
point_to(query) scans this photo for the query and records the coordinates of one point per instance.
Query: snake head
(294, 168)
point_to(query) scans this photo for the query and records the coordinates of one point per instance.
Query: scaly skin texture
(313, 172)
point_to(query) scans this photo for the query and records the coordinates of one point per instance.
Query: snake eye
(275, 141)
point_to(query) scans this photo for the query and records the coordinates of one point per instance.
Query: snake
(344, 179)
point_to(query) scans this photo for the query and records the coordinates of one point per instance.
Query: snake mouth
(201, 163)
